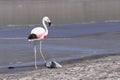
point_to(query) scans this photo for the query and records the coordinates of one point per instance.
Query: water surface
(63, 42)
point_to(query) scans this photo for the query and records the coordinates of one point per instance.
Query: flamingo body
(39, 32)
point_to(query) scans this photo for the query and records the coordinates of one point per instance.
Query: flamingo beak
(49, 24)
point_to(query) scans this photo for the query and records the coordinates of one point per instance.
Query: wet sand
(105, 67)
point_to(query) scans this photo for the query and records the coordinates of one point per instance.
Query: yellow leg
(35, 51)
(41, 52)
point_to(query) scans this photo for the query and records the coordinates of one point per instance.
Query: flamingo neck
(45, 27)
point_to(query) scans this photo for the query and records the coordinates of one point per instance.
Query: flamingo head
(47, 20)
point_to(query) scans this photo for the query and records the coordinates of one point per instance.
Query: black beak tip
(49, 24)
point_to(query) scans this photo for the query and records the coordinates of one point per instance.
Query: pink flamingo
(39, 33)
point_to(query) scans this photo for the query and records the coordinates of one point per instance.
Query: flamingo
(39, 33)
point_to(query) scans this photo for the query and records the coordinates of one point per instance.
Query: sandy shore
(105, 68)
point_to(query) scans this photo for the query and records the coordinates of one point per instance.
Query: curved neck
(45, 26)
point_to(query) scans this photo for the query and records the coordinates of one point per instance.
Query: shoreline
(98, 67)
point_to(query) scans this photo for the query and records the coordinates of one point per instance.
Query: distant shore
(17, 12)
(99, 68)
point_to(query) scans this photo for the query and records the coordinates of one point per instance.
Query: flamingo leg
(35, 51)
(41, 52)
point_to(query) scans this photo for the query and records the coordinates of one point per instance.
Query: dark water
(22, 12)
(64, 42)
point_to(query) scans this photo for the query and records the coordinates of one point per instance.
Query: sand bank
(104, 68)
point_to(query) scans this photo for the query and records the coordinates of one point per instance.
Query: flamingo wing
(39, 32)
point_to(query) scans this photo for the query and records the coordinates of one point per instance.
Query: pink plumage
(40, 32)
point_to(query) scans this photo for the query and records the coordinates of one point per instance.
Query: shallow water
(63, 42)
